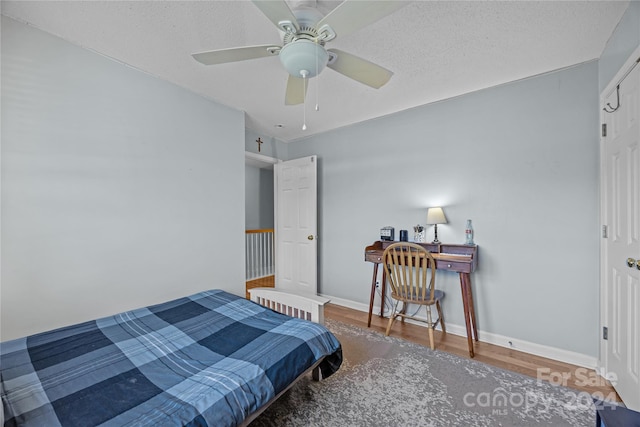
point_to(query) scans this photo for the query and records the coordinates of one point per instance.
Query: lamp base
(435, 234)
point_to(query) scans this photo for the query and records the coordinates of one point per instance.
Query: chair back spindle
(411, 272)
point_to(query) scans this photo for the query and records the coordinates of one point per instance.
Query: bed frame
(302, 306)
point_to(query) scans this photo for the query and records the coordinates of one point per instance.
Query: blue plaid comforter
(210, 359)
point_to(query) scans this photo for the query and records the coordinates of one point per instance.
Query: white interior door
(621, 247)
(296, 227)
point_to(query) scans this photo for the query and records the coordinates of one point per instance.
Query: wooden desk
(462, 259)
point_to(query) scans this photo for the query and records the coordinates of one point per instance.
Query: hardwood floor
(263, 282)
(559, 373)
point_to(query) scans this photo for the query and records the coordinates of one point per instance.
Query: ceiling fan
(305, 33)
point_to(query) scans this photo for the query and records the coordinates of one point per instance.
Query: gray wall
(258, 198)
(118, 190)
(520, 160)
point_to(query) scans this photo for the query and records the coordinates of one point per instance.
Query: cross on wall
(260, 142)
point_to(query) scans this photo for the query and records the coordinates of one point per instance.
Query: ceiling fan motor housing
(303, 53)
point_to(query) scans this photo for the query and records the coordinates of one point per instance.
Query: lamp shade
(436, 216)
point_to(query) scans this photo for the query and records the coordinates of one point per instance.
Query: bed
(210, 359)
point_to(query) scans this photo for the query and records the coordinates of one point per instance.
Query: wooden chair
(411, 273)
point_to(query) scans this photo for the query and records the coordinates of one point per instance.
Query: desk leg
(472, 310)
(464, 288)
(384, 292)
(373, 292)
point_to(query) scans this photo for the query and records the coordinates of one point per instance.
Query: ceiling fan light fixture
(304, 55)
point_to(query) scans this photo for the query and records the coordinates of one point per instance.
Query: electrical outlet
(377, 283)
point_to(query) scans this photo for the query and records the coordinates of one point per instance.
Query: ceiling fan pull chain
(304, 99)
(317, 84)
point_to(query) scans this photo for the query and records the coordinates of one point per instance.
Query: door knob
(631, 262)
(638, 264)
(310, 237)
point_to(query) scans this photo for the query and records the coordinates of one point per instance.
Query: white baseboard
(541, 350)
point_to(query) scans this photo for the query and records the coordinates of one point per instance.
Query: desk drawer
(460, 267)
(442, 264)
(373, 256)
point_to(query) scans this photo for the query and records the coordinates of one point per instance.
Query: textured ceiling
(437, 50)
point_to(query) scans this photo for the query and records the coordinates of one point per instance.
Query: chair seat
(404, 296)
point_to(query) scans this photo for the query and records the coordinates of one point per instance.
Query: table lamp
(436, 216)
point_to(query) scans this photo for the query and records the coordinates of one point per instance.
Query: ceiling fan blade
(278, 12)
(353, 15)
(222, 56)
(296, 90)
(359, 69)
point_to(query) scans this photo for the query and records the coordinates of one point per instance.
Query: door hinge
(604, 232)
(604, 129)
(605, 333)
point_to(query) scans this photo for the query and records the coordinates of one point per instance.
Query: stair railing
(259, 253)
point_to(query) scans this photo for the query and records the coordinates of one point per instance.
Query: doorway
(292, 201)
(259, 222)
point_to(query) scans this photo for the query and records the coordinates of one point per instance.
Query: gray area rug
(386, 381)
